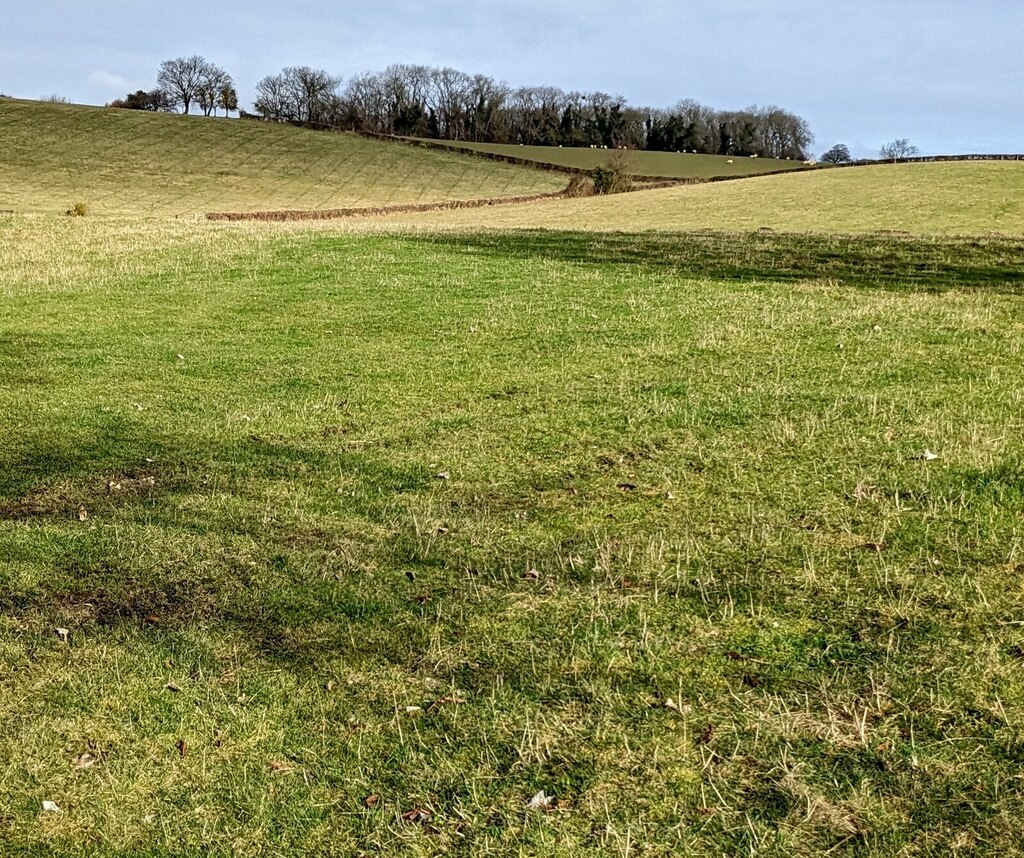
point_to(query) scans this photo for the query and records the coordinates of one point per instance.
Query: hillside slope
(968, 197)
(133, 162)
(667, 165)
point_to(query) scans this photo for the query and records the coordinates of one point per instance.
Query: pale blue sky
(948, 75)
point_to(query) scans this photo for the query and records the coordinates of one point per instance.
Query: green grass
(668, 165)
(966, 198)
(124, 161)
(637, 520)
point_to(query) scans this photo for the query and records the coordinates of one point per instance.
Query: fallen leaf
(417, 814)
(181, 746)
(442, 475)
(85, 760)
(371, 801)
(412, 710)
(531, 575)
(283, 767)
(876, 547)
(173, 687)
(63, 635)
(50, 807)
(83, 514)
(927, 456)
(707, 734)
(628, 487)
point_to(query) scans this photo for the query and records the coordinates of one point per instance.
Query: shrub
(78, 209)
(616, 176)
(580, 185)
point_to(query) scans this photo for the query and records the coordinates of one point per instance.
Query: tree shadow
(879, 260)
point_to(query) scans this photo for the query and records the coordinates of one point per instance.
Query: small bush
(580, 186)
(78, 209)
(616, 176)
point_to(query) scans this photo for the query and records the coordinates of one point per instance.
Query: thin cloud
(106, 80)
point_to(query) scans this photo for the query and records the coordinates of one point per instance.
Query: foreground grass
(966, 198)
(668, 165)
(363, 541)
(128, 161)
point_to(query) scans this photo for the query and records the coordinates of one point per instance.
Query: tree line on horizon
(447, 104)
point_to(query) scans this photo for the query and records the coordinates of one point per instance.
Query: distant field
(928, 199)
(669, 165)
(121, 161)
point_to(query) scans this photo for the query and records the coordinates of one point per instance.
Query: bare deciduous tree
(212, 83)
(299, 94)
(900, 148)
(181, 79)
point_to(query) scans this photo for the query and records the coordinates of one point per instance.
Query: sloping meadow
(526, 541)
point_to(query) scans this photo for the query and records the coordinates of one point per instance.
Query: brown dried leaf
(283, 767)
(371, 801)
(417, 814)
(85, 761)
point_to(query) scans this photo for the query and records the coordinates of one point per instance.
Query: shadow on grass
(274, 583)
(281, 587)
(877, 260)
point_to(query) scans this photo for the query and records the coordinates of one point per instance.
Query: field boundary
(373, 211)
(561, 168)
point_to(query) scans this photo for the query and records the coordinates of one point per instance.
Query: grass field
(669, 165)
(134, 162)
(359, 538)
(966, 198)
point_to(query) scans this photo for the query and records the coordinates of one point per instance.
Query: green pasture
(667, 165)
(508, 542)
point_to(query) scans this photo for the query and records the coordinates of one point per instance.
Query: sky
(946, 74)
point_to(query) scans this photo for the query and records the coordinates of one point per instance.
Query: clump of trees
(155, 100)
(447, 104)
(184, 82)
(300, 94)
(195, 80)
